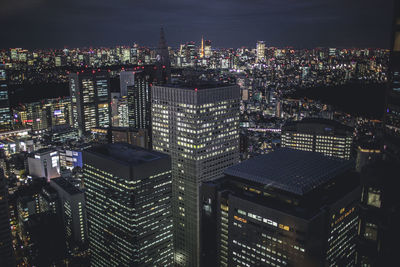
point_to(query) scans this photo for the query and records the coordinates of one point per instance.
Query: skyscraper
(285, 208)
(260, 51)
(392, 114)
(163, 61)
(126, 78)
(6, 249)
(128, 202)
(139, 101)
(198, 126)
(319, 135)
(5, 112)
(90, 100)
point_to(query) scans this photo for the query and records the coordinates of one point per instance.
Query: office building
(139, 101)
(392, 115)
(36, 117)
(369, 150)
(285, 208)
(198, 125)
(73, 213)
(128, 202)
(90, 100)
(122, 112)
(136, 137)
(6, 247)
(207, 49)
(260, 50)
(379, 214)
(44, 163)
(126, 78)
(5, 111)
(61, 134)
(318, 135)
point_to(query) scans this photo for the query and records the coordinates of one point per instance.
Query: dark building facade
(6, 248)
(319, 135)
(392, 114)
(285, 208)
(163, 61)
(73, 214)
(379, 214)
(128, 202)
(90, 100)
(139, 100)
(5, 111)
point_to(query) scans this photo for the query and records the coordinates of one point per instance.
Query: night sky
(228, 23)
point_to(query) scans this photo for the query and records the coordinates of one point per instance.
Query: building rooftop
(318, 126)
(126, 153)
(66, 185)
(294, 171)
(199, 85)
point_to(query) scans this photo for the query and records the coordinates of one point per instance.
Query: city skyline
(189, 154)
(29, 24)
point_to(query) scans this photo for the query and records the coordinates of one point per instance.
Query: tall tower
(202, 47)
(392, 114)
(90, 100)
(198, 125)
(163, 61)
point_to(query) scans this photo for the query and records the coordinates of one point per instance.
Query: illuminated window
(371, 231)
(374, 197)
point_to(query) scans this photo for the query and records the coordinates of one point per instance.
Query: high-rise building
(199, 127)
(126, 78)
(123, 112)
(128, 202)
(5, 111)
(163, 61)
(260, 51)
(318, 135)
(90, 100)
(73, 213)
(207, 49)
(139, 101)
(6, 248)
(285, 208)
(392, 114)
